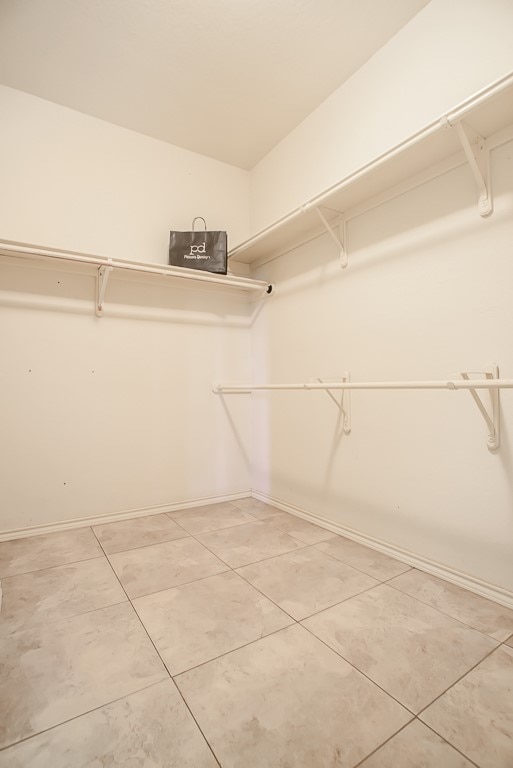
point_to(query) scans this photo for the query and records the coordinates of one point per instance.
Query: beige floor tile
(476, 715)
(510, 641)
(161, 566)
(476, 611)
(256, 508)
(197, 622)
(416, 747)
(57, 593)
(371, 562)
(54, 672)
(246, 544)
(36, 552)
(137, 532)
(287, 700)
(148, 729)
(411, 650)
(299, 528)
(306, 581)
(212, 517)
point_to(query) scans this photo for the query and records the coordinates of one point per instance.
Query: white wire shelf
(464, 135)
(106, 265)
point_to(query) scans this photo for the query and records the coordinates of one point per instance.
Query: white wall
(449, 50)
(105, 415)
(75, 182)
(101, 416)
(428, 293)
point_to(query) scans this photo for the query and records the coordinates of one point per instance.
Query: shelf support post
(345, 403)
(478, 158)
(492, 419)
(340, 242)
(101, 286)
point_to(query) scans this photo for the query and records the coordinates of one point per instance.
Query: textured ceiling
(225, 78)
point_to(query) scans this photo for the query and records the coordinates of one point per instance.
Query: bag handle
(196, 219)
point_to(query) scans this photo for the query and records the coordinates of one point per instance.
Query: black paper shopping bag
(201, 249)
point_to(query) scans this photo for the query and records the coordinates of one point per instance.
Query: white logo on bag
(197, 252)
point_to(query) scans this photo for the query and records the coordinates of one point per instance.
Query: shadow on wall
(152, 298)
(236, 434)
(429, 533)
(388, 234)
(504, 452)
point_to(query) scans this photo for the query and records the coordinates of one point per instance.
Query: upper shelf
(104, 266)
(488, 115)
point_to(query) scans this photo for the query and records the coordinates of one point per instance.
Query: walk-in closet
(256, 375)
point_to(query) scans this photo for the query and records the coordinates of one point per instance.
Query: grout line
(350, 565)
(270, 519)
(383, 743)
(404, 706)
(134, 519)
(48, 622)
(100, 556)
(229, 567)
(421, 711)
(402, 729)
(183, 584)
(444, 613)
(233, 650)
(164, 663)
(413, 597)
(48, 567)
(340, 602)
(223, 528)
(450, 744)
(145, 546)
(253, 562)
(82, 714)
(447, 616)
(303, 618)
(296, 621)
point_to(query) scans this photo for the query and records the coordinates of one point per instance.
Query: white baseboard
(115, 517)
(480, 587)
(465, 580)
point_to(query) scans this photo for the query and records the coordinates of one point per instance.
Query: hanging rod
(488, 379)
(106, 265)
(228, 389)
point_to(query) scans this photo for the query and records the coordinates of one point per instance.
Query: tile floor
(239, 636)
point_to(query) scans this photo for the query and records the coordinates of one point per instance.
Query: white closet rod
(489, 380)
(17, 249)
(450, 384)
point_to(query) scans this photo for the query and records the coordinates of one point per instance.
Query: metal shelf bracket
(339, 239)
(492, 418)
(344, 404)
(478, 157)
(101, 286)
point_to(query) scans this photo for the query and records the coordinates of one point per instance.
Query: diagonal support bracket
(344, 404)
(102, 279)
(478, 158)
(492, 417)
(340, 240)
